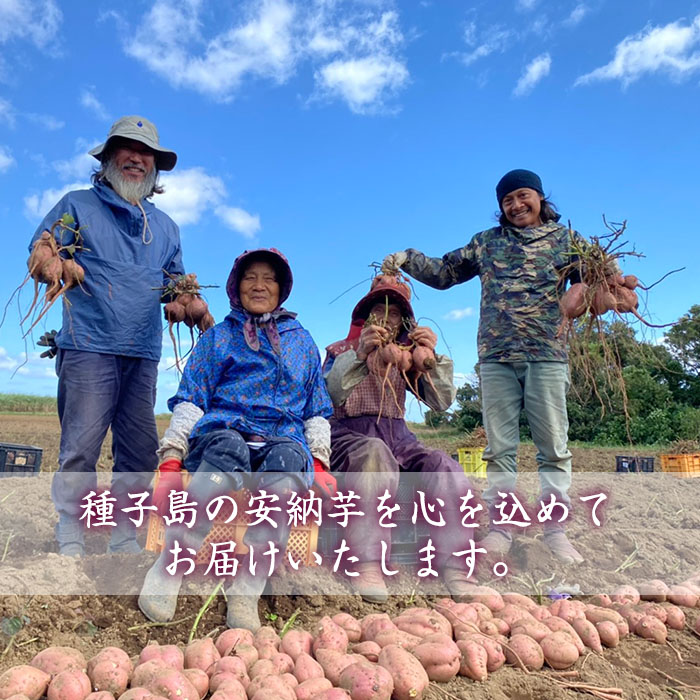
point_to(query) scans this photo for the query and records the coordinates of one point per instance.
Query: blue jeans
(96, 392)
(540, 389)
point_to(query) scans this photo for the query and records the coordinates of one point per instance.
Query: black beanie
(516, 179)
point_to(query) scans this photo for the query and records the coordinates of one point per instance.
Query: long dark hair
(548, 212)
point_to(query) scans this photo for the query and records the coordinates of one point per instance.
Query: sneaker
(370, 583)
(561, 548)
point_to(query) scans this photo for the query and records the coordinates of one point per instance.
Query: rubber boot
(370, 583)
(158, 598)
(69, 536)
(243, 594)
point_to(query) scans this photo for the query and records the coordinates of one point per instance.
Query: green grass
(27, 403)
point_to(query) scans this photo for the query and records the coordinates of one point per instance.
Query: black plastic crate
(625, 464)
(19, 460)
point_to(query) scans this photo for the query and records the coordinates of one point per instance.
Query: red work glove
(325, 483)
(170, 471)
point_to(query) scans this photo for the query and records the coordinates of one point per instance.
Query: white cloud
(36, 20)
(492, 40)
(46, 121)
(262, 46)
(6, 159)
(80, 166)
(32, 366)
(353, 48)
(239, 220)
(577, 14)
(7, 112)
(537, 69)
(459, 314)
(190, 193)
(89, 100)
(363, 83)
(673, 49)
(526, 5)
(37, 205)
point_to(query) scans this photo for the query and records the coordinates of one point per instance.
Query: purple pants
(372, 455)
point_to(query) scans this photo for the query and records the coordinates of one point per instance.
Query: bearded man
(109, 344)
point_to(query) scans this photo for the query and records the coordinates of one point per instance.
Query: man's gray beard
(130, 190)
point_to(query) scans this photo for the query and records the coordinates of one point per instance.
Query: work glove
(392, 263)
(48, 340)
(325, 483)
(170, 478)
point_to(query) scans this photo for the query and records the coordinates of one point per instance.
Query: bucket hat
(383, 286)
(144, 131)
(271, 255)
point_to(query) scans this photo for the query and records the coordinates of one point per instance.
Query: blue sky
(339, 131)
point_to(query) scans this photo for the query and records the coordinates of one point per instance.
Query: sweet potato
(312, 687)
(247, 652)
(473, 660)
(528, 651)
(532, 628)
(282, 663)
(494, 651)
(559, 650)
(329, 635)
(556, 624)
(115, 655)
(272, 685)
(675, 618)
(147, 672)
(440, 659)
(650, 627)
(370, 650)
(262, 667)
(224, 680)
(306, 667)
(596, 614)
(25, 680)
(487, 627)
(229, 639)
(267, 635)
(174, 685)
(654, 590)
(588, 634)
(54, 660)
(601, 600)
(100, 695)
(409, 677)
(226, 693)
(513, 613)
(290, 680)
(296, 642)
(231, 664)
(573, 302)
(398, 637)
(170, 654)
(108, 675)
(365, 681)
(568, 610)
(423, 359)
(653, 609)
(625, 594)
(608, 633)
(486, 596)
(541, 613)
(137, 693)
(680, 595)
(518, 599)
(334, 662)
(201, 654)
(373, 623)
(332, 694)
(483, 612)
(351, 626)
(70, 685)
(199, 679)
(422, 622)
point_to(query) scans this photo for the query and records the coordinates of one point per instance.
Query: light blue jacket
(116, 310)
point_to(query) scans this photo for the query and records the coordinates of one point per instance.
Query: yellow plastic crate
(302, 542)
(684, 466)
(472, 462)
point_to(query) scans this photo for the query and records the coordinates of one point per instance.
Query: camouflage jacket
(520, 288)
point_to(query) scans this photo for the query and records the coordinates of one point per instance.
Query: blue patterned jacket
(258, 393)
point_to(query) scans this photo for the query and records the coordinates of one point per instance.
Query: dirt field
(652, 531)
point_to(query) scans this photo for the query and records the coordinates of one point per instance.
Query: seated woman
(251, 400)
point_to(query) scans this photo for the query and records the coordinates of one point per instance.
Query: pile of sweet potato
(375, 658)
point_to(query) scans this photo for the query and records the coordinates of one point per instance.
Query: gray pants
(540, 388)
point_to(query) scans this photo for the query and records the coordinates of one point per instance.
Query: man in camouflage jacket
(522, 361)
